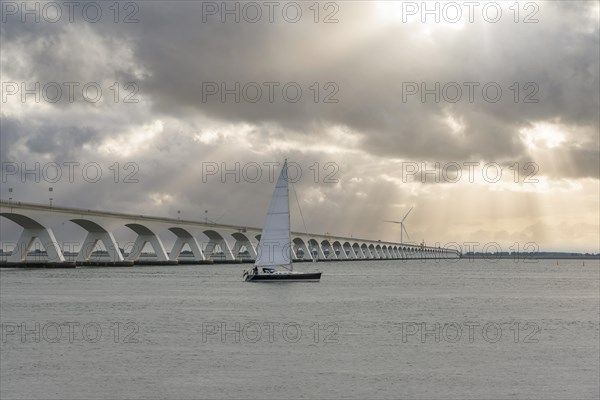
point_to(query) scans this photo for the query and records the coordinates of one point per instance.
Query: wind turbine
(402, 228)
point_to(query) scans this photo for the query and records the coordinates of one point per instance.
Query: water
(361, 332)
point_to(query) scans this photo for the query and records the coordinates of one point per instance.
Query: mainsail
(275, 241)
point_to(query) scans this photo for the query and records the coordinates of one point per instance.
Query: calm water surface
(388, 329)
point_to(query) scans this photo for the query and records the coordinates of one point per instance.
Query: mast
(287, 189)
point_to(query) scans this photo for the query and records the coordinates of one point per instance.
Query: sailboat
(274, 259)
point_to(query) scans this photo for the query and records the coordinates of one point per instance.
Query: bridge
(207, 242)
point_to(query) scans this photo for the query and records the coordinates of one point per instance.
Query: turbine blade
(394, 222)
(405, 231)
(407, 214)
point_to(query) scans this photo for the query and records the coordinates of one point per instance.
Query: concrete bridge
(207, 242)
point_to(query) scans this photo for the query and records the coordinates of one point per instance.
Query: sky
(482, 117)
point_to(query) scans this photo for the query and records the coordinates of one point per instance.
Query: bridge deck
(37, 219)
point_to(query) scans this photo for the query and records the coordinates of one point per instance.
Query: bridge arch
(145, 235)
(379, 252)
(366, 251)
(95, 234)
(348, 251)
(242, 242)
(215, 239)
(33, 230)
(185, 237)
(22, 220)
(385, 251)
(315, 249)
(338, 250)
(357, 251)
(301, 245)
(328, 250)
(372, 251)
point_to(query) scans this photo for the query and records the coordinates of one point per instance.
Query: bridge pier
(240, 242)
(145, 235)
(386, 252)
(339, 251)
(183, 238)
(96, 234)
(214, 240)
(32, 230)
(90, 242)
(328, 251)
(315, 250)
(26, 240)
(301, 245)
(351, 254)
(358, 251)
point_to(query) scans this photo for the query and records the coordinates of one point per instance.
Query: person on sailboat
(255, 270)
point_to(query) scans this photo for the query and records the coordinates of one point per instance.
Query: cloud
(363, 62)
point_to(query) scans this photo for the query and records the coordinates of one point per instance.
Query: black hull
(316, 276)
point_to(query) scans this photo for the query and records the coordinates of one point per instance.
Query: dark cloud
(559, 55)
(178, 54)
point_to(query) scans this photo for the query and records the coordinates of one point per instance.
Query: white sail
(274, 246)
